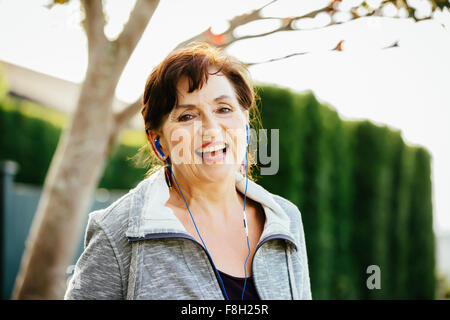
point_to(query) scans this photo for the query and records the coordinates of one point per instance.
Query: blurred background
(358, 89)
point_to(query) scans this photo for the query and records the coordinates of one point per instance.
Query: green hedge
(420, 281)
(364, 195)
(30, 140)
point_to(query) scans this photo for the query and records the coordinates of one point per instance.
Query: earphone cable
(245, 217)
(195, 225)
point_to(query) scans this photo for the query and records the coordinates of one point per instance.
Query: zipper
(174, 235)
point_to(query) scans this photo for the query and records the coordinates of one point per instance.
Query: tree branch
(226, 38)
(122, 117)
(287, 23)
(135, 27)
(247, 17)
(94, 23)
(249, 64)
(208, 36)
(338, 47)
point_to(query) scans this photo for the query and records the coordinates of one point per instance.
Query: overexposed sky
(407, 87)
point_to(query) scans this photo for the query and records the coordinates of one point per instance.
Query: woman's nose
(210, 123)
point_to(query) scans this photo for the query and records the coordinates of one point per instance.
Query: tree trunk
(73, 176)
(80, 157)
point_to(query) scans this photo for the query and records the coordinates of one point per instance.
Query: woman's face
(205, 135)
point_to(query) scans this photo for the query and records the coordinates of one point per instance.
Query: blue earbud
(158, 147)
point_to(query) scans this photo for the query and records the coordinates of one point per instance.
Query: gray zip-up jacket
(137, 249)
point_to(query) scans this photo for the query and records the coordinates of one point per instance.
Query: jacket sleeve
(97, 273)
(303, 283)
(306, 283)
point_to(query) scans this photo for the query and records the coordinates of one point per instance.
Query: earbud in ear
(158, 147)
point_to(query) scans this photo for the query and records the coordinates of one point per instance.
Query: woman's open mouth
(213, 152)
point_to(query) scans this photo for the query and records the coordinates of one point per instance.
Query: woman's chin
(212, 169)
(217, 171)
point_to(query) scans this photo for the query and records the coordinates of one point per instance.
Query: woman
(197, 228)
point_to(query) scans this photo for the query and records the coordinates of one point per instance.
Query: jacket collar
(149, 215)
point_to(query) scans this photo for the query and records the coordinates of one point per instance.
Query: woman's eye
(224, 109)
(185, 117)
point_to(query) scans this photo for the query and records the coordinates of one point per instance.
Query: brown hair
(194, 62)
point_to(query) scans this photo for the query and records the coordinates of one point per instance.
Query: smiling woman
(199, 228)
(173, 93)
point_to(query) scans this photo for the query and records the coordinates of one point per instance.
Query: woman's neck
(207, 197)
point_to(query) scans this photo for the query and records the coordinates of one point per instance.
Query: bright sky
(406, 88)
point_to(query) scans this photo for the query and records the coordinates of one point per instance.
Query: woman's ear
(151, 136)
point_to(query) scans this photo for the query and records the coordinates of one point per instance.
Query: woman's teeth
(212, 151)
(214, 148)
